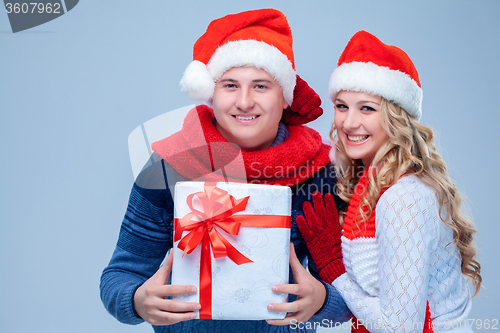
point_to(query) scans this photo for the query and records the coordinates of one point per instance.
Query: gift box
(231, 241)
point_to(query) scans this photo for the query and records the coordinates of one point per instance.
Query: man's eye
(229, 85)
(260, 86)
(341, 106)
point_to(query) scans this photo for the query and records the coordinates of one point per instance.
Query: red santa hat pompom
(370, 66)
(260, 38)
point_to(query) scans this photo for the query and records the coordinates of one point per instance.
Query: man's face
(248, 104)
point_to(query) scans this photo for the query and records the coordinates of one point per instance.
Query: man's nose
(245, 100)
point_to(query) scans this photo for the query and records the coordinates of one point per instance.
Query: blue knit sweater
(146, 236)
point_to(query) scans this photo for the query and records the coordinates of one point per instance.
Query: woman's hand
(310, 293)
(151, 305)
(321, 231)
(306, 105)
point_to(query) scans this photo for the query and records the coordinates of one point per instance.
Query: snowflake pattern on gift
(217, 315)
(283, 298)
(260, 240)
(245, 250)
(280, 261)
(263, 211)
(215, 271)
(242, 295)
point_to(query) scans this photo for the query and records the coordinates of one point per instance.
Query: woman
(403, 255)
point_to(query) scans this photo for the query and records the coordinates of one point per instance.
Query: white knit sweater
(390, 278)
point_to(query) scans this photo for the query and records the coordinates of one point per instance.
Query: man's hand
(310, 294)
(150, 302)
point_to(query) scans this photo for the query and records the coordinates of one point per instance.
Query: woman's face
(357, 120)
(248, 104)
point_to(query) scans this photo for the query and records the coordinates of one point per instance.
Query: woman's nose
(352, 120)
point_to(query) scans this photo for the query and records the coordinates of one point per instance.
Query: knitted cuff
(128, 306)
(327, 298)
(334, 308)
(332, 271)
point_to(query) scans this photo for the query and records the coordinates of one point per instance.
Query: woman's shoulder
(409, 199)
(409, 209)
(409, 188)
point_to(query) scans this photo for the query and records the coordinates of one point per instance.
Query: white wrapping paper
(240, 292)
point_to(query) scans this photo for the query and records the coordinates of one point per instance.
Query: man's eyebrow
(254, 81)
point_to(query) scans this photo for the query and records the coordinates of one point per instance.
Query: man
(244, 67)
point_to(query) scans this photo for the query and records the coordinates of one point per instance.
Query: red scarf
(362, 229)
(351, 231)
(199, 149)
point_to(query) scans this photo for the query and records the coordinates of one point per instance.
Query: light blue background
(73, 89)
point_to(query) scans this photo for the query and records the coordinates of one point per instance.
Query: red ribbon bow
(218, 208)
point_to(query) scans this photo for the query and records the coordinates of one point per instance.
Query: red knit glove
(321, 231)
(305, 106)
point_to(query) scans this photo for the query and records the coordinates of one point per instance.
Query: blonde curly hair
(409, 150)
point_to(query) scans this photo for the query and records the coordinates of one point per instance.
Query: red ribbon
(218, 209)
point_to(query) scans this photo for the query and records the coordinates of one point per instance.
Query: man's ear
(285, 104)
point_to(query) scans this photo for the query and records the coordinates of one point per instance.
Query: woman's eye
(260, 86)
(230, 85)
(341, 106)
(367, 108)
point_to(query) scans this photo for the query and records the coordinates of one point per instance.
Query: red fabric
(266, 25)
(365, 47)
(428, 328)
(306, 105)
(321, 231)
(298, 158)
(349, 229)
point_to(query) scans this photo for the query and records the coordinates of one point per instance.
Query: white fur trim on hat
(261, 55)
(392, 85)
(196, 82)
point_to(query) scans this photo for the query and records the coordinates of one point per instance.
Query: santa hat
(260, 38)
(370, 66)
